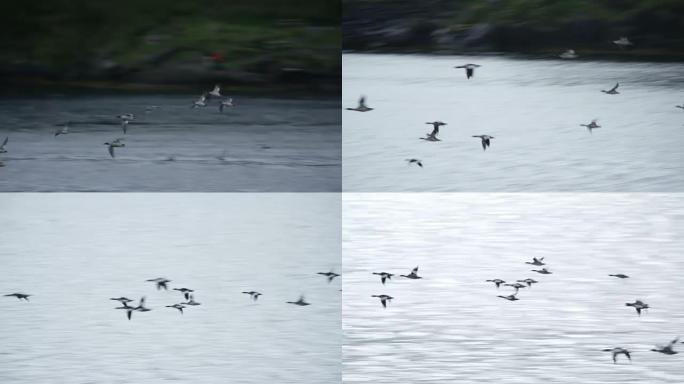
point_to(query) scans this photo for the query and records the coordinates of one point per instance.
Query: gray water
(171, 148)
(75, 251)
(533, 108)
(450, 326)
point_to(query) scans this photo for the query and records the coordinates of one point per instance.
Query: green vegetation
(84, 39)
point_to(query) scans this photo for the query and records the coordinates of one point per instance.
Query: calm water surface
(450, 326)
(73, 252)
(533, 108)
(260, 145)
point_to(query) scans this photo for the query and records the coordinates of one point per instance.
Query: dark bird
(300, 302)
(413, 274)
(121, 299)
(384, 299)
(667, 349)
(331, 275)
(191, 301)
(362, 107)
(415, 161)
(591, 125)
(432, 136)
(470, 69)
(177, 306)
(114, 144)
(516, 286)
(612, 91)
(528, 281)
(620, 276)
(485, 140)
(509, 297)
(616, 351)
(254, 294)
(638, 305)
(384, 276)
(160, 283)
(543, 271)
(535, 261)
(498, 282)
(185, 291)
(20, 296)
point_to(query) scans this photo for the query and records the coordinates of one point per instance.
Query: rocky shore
(453, 27)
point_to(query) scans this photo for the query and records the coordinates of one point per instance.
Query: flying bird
(620, 276)
(498, 282)
(415, 161)
(616, 351)
(301, 302)
(667, 349)
(362, 107)
(62, 130)
(114, 144)
(413, 274)
(509, 297)
(384, 299)
(638, 305)
(543, 271)
(470, 69)
(19, 296)
(228, 102)
(612, 91)
(216, 92)
(201, 102)
(253, 294)
(591, 125)
(485, 140)
(179, 307)
(185, 291)
(384, 276)
(160, 282)
(535, 261)
(330, 275)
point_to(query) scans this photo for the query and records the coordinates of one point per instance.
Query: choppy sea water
(259, 145)
(533, 108)
(75, 251)
(450, 326)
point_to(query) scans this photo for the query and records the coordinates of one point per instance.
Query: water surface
(451, 327)
(260, 145)
(75, 251)
(533, 108)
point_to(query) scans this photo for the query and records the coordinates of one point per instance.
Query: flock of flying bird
(126, 119)
(638, 305)
(485, 140)
(188, 294)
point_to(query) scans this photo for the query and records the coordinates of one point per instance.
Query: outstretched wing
(615, 87)
(111, 151)
(362, 101)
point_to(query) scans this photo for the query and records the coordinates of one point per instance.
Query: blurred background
(530, 26)
(264, 44)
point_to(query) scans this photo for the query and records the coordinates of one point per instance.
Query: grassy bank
(249, 43)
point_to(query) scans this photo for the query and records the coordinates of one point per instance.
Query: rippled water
(267, 144)
(451, 327)
(75, 251)
(533, 108)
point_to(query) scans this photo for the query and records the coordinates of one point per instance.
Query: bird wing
(626, 352)
(111, 151)
(673, 342)
(5, 142)
(414, 270)
(362, 101)
(615, 87)
(469, 72)
(384, 303)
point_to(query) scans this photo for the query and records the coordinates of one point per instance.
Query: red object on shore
(217, 57)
